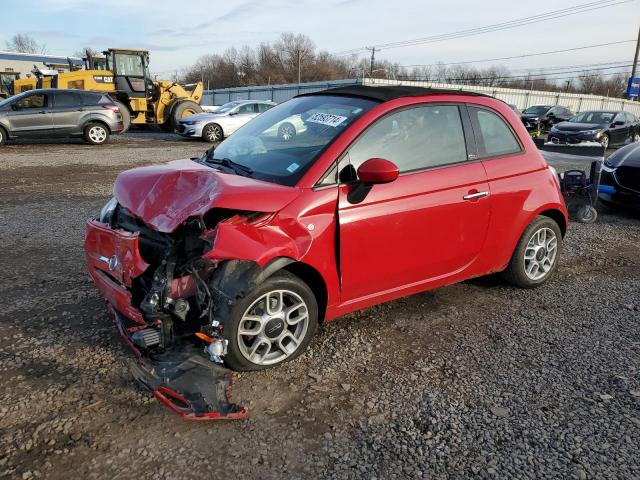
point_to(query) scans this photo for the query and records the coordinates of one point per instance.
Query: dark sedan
(608, 128)
(622, 171)
(540, 118)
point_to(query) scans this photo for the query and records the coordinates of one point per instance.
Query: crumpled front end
(155, 285)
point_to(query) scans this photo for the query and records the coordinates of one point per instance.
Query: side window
(263, 107)
(37, 100)
(620, 117)
(631, 118)
(66, 99)
(494, 137)
(414, 139)
(246, 108)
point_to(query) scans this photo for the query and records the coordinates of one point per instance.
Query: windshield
(594, 117)
(226, 107)
(129, 65)
(281, 144)
(537, 110)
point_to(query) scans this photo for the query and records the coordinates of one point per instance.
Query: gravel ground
(476, 380)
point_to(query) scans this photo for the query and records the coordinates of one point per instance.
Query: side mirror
(370, 173)
(377, 170)
(617, 123)
(235, 112)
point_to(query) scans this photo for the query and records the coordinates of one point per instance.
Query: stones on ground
(499, 411)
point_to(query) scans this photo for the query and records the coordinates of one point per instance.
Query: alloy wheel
(605, 141)
(273, 327)
(213, 133)
(636, 137)
(541, 253)
(97, 134)
(287, 132)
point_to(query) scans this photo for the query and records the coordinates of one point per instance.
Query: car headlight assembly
(590, 132)
(192, 122)
(106, 214)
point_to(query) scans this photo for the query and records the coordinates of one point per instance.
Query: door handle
(473, 196)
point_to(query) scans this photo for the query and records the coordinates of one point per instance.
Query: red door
(423, 227)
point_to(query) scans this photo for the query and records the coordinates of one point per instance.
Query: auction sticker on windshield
(326, 119)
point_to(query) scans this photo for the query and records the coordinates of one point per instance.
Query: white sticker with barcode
(326, 119)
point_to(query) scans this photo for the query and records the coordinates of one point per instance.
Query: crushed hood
(164, 196)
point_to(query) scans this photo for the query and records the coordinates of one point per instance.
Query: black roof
(387, 93)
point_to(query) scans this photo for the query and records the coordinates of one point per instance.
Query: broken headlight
(107, 211)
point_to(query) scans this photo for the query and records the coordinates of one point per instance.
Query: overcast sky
(178, 32)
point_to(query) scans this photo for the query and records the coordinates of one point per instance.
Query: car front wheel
(272, 324)
(212, 133)
(536, 255)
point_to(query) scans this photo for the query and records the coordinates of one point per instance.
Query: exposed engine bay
(181, 298)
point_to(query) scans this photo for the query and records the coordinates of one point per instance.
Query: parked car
(540, 118)
(260, 240)
(622, 171)
(514, 108)
(608, 128)
(213, 127)
(53, 113)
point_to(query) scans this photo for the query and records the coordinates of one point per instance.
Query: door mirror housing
(618, 123)
(377, 170)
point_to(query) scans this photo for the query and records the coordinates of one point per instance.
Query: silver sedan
(215, 126)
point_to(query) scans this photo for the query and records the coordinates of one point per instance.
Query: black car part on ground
(185, 380)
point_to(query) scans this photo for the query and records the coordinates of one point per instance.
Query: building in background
(24, 63)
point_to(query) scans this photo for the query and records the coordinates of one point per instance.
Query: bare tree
(23, 43)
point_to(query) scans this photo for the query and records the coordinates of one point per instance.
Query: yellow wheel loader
(124, 74)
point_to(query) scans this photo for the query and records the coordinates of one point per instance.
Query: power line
(532, 76)
(564, 12)
(584, 47)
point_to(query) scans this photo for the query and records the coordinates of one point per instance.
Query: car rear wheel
(536, 255)
(272, 324)
(96, 134)
(604, 141)
(212, 133)
(286, 132)
(3, 136)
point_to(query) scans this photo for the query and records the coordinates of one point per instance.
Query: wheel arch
(557, 216)
(95, 120)
(235, 278)
(214, 123)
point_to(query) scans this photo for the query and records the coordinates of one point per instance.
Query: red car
(382, 192)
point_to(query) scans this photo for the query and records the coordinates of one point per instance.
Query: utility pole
(373, 59)
(635, 59)
(298, 65)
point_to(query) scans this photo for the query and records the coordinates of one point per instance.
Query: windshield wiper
(226, 162)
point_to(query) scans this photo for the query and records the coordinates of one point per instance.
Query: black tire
(126, 116)
(96, 133)
(3, 136)
(183, 109)
(281, 280)
(515, 271)
(212, 133)
(287, 132)
(586, 214)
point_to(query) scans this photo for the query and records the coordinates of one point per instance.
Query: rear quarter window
(493, 134)
(94, 99)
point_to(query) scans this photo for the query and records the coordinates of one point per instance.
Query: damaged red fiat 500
(328, 203)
